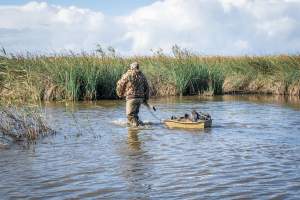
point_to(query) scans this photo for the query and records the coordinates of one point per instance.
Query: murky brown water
(252, 152)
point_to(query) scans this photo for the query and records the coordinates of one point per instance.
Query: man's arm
(146, 88)
(121, 85)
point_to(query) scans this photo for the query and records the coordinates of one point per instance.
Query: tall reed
(91, 77)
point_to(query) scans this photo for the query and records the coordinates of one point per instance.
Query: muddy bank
(258, 86)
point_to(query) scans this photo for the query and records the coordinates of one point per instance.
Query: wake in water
(123, 122)
(120, 122)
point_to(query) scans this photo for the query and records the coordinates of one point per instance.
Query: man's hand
(149, 106)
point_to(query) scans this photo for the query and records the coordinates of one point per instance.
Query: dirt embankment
(258, 86)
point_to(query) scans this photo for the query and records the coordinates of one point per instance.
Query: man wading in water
(134, 86)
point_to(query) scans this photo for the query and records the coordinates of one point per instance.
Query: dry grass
(23, 123)
(92, 77)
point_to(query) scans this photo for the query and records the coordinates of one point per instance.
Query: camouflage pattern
(133, 84)
(132, 111)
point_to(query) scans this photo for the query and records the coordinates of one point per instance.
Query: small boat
(200, 124)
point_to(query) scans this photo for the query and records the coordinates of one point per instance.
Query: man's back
(133, 84)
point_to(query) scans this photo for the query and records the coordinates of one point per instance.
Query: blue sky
(139, 27)
(109, 7)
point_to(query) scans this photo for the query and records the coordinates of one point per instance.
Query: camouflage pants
(132, 110)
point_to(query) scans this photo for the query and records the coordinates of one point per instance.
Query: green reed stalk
(90, 77)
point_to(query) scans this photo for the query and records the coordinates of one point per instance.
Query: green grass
(91, 77)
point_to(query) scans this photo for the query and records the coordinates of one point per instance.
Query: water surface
(251, 152)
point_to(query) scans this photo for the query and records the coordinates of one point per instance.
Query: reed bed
(22, 123)
(91, 77)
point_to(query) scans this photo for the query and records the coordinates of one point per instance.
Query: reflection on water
(136, 167)
(133, 139)
(251, 152)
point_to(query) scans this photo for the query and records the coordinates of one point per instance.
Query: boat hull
(188, 125)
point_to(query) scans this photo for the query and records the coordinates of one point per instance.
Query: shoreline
(259, 98)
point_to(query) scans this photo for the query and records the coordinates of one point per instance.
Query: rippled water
(251, 152)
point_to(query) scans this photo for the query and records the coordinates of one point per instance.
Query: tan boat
(201, 124)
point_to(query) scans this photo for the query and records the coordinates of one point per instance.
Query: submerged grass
(92, 77)
(22, 123)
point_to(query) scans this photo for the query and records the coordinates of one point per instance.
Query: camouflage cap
(134, 65)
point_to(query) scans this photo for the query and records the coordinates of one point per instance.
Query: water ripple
(252, 152)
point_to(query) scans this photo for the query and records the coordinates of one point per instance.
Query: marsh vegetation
(93, 76)
(23, 123)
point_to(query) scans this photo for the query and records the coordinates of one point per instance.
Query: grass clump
(22, 123)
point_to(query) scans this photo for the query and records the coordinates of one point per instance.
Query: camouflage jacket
(133, 84)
